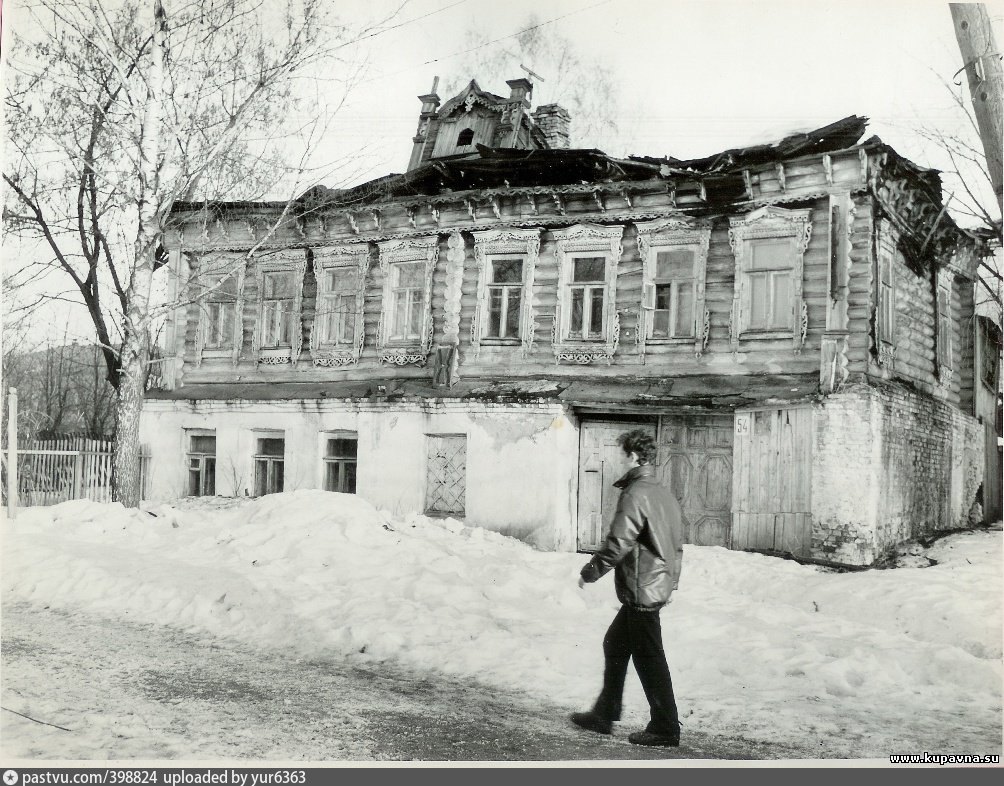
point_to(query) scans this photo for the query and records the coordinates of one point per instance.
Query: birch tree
(118, 109)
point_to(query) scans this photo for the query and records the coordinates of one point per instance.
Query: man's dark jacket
(645, 543)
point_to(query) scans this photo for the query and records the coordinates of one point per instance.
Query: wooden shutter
(446, 489)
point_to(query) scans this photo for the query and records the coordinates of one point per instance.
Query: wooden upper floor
(836, 264)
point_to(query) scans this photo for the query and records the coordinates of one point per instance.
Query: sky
(694, 77)
(834, 664)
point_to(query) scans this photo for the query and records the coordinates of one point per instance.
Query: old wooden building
(793, 322)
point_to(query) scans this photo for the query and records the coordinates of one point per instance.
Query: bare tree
(117, 110)
(580, 83)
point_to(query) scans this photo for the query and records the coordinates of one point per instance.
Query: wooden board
(773, 481)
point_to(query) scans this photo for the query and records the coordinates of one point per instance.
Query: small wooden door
(601, 463)
(446, 489)
(695, 457)
(771, 499)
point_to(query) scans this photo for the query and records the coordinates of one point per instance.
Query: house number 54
(742, 424)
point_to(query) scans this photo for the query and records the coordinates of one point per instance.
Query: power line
(400, 24)
(488, 43)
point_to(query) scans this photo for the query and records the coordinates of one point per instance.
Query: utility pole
(982, 63)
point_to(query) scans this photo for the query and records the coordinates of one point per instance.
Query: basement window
(201, 463)
(340, 458)
(269, 465)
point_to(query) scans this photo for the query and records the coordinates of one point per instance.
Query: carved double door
(695, 461)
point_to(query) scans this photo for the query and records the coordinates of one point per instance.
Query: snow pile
(765, 647)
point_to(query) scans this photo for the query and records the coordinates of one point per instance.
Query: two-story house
(792, 321)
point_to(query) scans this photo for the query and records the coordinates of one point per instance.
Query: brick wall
(889, 465)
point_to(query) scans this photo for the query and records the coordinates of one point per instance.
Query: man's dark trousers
(638, 634)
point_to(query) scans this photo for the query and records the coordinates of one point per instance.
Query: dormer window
(466, 137)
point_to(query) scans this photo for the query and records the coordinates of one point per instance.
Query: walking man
(645, 549)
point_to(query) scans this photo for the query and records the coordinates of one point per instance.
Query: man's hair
(639, 442)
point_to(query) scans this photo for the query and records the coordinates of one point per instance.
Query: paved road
(133, 691)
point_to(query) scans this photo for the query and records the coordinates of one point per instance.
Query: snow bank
(759, 645)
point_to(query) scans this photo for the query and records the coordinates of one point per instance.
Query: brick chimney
(554, 121)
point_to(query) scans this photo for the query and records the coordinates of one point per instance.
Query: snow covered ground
(869, 663)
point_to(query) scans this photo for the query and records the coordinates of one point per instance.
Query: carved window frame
(283, 261)
(217, 269)
(420, 249)
(586, 240)
(667, 234)
(332, 353)
(494, 243)
(944, 350)
(769, 223)
(885, 296)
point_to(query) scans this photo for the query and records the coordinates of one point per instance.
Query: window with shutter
(885, 293)
(278, 335)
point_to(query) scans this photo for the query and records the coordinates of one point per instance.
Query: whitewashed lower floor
(841, 479)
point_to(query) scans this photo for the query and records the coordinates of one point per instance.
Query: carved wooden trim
(508, 241)
(667, 233)
(769, 222)
(586, 239)
(456, 256)
(330, 353)
(286, 260)
(419, 249)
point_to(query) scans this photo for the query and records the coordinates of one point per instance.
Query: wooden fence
(57, 470)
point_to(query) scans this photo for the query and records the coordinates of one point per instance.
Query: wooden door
(446, 468)
(771, 499)
(601, 463)
(695, 461)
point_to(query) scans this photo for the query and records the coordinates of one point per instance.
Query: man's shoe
(655, 740)
(592, 722)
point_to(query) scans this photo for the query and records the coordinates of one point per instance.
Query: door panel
(772, 496)
(601, 463)
(695, 453)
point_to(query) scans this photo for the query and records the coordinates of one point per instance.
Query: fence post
(12, 453)
(78, 473)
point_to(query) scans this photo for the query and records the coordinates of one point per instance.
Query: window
(446, 489)
(506, 260)
(340, 453)
(201, 463)
(990, 352)
(674, 255)
(278, 335)
(769, 245)
(587, 325)
(407, 300)
(221, 311)
(945, 324)
(405, 333)
(505, 292)
(218, 290)
(885, 294)
(336, 338)
(269, 465)
(277, 301)
(587, 295)
(466, 137)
